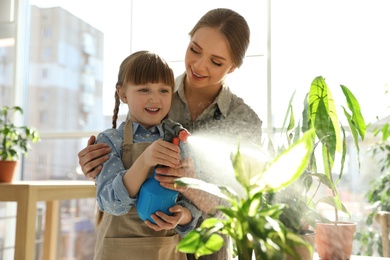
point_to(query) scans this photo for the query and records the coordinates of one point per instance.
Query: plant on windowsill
(14, 141)
(330, 136)
(299, 213)
(251, 222)
(378, 195)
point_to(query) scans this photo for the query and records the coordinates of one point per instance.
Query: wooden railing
(26, 194)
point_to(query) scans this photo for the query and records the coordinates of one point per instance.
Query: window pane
(75, 48)
(74, 60)
(7, 52)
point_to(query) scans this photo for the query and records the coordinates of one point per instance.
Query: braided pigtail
(116, 109)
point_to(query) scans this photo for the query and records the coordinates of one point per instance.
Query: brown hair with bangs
(141, 68)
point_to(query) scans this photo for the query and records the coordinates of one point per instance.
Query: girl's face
(207, 59)
(148, 104)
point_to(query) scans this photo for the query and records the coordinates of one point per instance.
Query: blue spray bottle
(152, 196)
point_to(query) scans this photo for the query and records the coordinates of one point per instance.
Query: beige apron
(127, 236)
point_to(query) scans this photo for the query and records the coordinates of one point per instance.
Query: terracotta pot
(310, 237)
(7, 170)
(334, 241)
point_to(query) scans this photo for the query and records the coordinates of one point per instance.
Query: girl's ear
(121, 93)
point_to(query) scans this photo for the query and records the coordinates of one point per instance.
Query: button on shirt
(142, 135)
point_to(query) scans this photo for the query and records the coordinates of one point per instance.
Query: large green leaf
(357, 120)
(335, 202)
(324, 115)
(286, 168)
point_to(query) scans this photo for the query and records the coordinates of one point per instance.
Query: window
(64, 66)
(46, 30)
(72, 55)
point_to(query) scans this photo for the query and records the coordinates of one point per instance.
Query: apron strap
(128, 132)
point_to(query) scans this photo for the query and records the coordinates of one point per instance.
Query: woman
(202, 103)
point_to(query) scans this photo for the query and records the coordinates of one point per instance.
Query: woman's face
(207, 59)
(148, 104)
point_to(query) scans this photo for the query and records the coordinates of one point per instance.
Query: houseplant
(321, 114)
(299, 213)
(378, 194)
(251, 222)
(301, 198)
(14, 141)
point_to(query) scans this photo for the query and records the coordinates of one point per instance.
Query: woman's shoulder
(238, 104)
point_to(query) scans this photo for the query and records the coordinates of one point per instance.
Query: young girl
(145, 84)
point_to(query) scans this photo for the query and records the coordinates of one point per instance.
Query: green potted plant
(378, 195)
(251, 222)
(14, 141)
(321, 115)
(379, 192)
(299, 213)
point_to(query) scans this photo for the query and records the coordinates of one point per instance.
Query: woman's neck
(199, 99)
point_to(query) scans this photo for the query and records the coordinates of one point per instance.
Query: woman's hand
(91, 158)
(166, 176)
(201, 199)
(180, 216)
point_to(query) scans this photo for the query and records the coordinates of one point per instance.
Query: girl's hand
(180, 216)
(163, 153)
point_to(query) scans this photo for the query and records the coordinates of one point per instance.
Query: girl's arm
(117, 187)
(159, 152)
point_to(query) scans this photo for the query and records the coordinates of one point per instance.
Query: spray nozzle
(174, 132)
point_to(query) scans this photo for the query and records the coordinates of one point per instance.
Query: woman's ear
(121, 93)
(232, 69)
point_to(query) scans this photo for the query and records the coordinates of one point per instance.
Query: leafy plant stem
(244, 252)
(334, 193)
(314, 194)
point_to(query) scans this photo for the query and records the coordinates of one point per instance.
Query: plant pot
(334, 240)
(383, 218)
(7, 170)
(304, 252)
